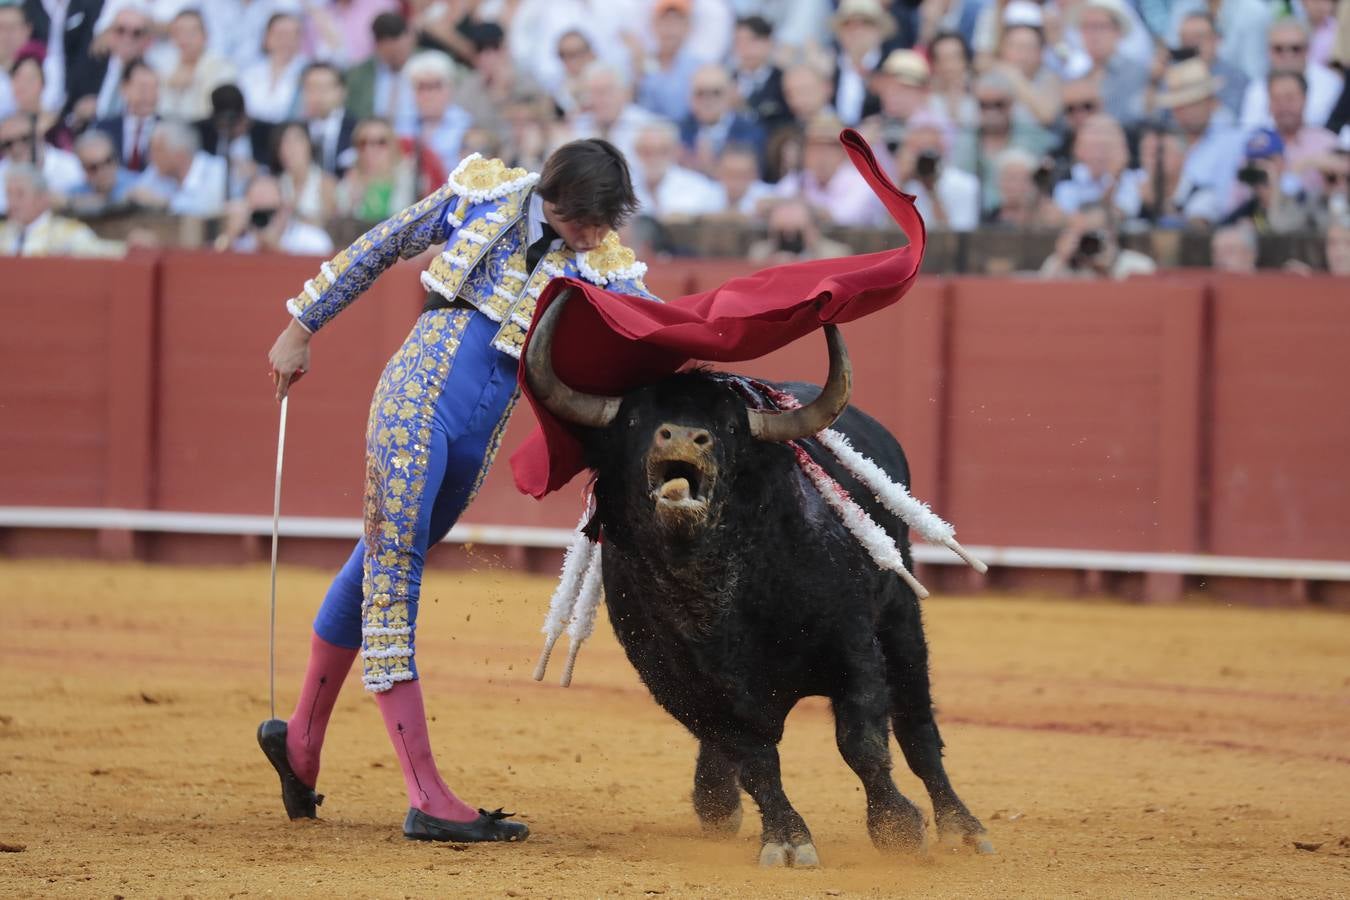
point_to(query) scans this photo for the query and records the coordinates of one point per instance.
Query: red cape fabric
(611, 343)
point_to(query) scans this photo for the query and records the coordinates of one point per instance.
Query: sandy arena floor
(1112, 751)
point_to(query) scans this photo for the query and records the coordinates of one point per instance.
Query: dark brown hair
(587, 181)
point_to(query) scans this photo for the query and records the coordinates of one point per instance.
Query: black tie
(536, 251)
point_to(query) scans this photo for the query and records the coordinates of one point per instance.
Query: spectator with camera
(793, 236)
(946, 197)
(1087, 248)
(1272, 198)
(265, 223)
(1025, 188)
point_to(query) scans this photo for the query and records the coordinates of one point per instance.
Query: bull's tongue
(676, 489)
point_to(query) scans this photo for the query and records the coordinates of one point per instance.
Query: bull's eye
(702, 438)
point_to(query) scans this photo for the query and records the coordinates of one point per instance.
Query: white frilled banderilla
(577, 598)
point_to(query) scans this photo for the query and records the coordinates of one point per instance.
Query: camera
(1044, 177)
(1253, 176)
(926, 166)
(790, 241)
(1090, 245)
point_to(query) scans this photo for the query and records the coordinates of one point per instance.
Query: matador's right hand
(289, 357)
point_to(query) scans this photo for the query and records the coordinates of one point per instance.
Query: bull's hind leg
(906, 652)
(717, 794)
(785, 839)
(860, 729)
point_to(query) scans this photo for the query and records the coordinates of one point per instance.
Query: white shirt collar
(534, 222)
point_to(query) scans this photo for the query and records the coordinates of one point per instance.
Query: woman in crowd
(949, 57)
(28, 82)
(270, 85)
(381, 181)
(305, 186)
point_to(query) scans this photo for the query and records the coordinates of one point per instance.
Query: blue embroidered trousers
(436, 423)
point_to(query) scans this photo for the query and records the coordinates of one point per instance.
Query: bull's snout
(668, 436)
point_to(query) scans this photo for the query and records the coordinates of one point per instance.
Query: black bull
(736, 591)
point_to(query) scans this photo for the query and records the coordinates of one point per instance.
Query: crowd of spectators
(279, 119)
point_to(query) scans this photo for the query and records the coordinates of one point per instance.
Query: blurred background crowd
(1100, 126)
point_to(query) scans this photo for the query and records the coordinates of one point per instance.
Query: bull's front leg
(717, 793)
(785, 839)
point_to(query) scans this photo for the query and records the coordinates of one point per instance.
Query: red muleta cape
(611, 343)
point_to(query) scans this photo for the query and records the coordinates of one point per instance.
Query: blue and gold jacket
(480, 215)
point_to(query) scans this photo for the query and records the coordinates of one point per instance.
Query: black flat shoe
(489, 826)
(299, 798)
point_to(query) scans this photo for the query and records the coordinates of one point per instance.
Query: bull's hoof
(959, 824)
(722, 827)
(980, 844)
(898, 830)
(774, 855)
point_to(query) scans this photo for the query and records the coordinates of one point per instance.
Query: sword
(276, 532)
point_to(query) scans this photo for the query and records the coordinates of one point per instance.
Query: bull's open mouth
(679, 486)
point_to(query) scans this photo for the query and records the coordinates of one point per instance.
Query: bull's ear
(564, 401)
(820, 413)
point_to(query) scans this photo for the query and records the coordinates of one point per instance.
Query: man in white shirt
(664, 188)
(19, 145)
(1287, 43)
(946, 197)
(181, 179)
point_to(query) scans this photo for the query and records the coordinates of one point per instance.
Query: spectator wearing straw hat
(861, 30)
(1287, 42)
(1269, 196)
(1213, 149)
(901, 83)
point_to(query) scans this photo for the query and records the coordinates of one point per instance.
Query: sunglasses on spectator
(124, 31)
(708, 92)
(994, 104)
(1335, 178)
(97, 164)
(1288, 48)
(1086, 106)
(7, 145)
(363, 143)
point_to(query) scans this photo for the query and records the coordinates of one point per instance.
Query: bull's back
(868, 436)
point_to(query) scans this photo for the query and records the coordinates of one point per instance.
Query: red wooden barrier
(1182, 414)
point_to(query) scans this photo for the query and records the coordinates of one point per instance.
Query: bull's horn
(567, 403)
(820, 413)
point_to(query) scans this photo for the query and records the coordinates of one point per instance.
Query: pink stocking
(405, 719)
(328, 667)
